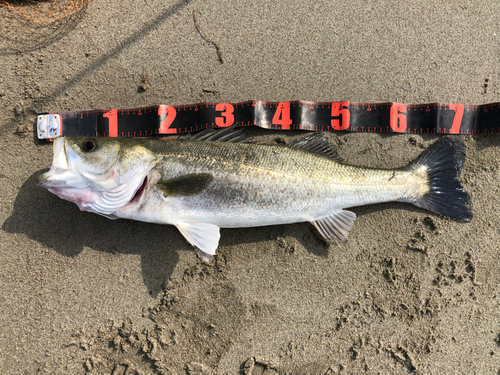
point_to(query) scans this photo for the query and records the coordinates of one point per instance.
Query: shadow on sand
(60, 225)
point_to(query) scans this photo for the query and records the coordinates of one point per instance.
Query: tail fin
(444, 160)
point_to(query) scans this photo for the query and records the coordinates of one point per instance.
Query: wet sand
(410, 292)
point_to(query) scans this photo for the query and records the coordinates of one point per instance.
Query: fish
(219, 180)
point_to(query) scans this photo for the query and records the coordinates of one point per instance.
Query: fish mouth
(60, 171)
(69, 179)
(40, 178)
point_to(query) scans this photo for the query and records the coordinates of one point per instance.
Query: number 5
(341, 110)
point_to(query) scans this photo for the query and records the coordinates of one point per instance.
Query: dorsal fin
(316, 144)
(218, 135)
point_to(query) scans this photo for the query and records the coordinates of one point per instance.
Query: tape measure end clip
(48, 126)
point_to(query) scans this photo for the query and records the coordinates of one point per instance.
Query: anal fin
(335, 226)
(203, 236)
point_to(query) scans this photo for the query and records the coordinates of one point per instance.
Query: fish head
(100, 175)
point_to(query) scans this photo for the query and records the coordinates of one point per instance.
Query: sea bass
(213, 181)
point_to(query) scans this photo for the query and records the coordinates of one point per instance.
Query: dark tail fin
(444, 160)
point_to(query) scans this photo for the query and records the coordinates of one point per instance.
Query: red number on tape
(282, 116)
(341, 110)
(398, 118)
(227, 118)
(112, 117)
(167, 115)
(457, 119)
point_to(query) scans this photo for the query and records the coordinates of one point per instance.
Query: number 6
(398, 117)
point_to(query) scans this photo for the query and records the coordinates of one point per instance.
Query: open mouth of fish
(102, 197)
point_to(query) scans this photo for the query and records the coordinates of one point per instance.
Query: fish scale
(203, 185)
(281, 184)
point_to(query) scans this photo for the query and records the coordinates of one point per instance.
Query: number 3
(227, 118)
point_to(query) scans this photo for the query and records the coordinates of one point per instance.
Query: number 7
(457, 119)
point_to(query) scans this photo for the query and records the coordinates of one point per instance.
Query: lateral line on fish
(251, 186)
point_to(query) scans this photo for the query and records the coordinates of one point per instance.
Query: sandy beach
(409, 292)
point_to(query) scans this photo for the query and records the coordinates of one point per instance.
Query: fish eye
(89, 144)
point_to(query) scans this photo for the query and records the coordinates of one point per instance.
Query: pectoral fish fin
(336, 226)
(204, 237)
(190, 184)
(316, 144)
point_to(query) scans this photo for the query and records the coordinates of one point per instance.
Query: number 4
(282, 116)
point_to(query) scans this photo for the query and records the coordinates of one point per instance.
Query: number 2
(167, 115)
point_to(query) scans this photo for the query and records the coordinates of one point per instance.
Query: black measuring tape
(295, 115)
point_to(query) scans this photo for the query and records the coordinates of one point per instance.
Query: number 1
(112, 117)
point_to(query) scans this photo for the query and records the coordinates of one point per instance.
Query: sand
(410, 292)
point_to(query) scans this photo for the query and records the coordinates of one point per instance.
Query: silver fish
(213, 181)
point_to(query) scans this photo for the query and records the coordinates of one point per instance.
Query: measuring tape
(295, 115)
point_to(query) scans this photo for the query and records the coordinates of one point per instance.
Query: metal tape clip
(48, 126)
